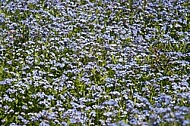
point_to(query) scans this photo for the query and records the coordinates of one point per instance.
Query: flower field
(95, 63)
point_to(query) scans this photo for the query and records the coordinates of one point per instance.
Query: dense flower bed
(94, 62)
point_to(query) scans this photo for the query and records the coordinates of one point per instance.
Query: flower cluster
(94, 62)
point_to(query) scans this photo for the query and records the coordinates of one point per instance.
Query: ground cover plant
(95, 62)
